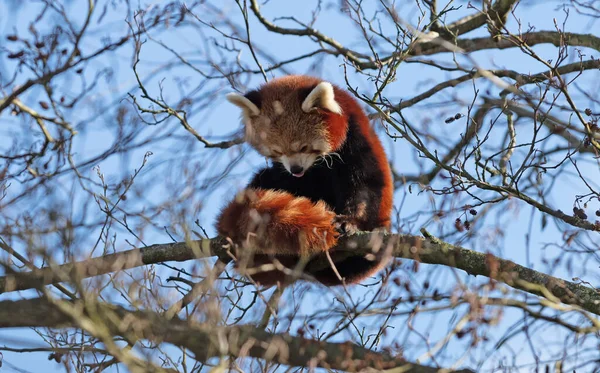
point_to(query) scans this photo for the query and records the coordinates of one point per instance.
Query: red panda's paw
(234, 220)
(277, 222)
(345, 225)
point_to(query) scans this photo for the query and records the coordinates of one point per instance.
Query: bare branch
(430, 251)
(207, 341)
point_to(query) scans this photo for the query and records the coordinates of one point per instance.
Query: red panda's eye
(304, 149)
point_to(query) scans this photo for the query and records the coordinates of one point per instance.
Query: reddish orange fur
(277, 222)
(351, 108)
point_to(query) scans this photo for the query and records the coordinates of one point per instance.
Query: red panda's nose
(297, 170)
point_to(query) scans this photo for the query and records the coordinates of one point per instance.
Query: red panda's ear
(249, 108)
(322, 97)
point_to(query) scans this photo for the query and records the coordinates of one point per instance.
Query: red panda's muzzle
(297, 171)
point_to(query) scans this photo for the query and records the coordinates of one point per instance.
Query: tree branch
(425, 250)
(364, 61)
(473, 22)
(555, 38)
(206, 340)
(178, 252)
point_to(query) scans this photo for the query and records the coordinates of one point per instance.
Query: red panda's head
(294, 120)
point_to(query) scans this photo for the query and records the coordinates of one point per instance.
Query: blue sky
(221, 119)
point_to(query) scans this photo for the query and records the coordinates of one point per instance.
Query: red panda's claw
(345, 225)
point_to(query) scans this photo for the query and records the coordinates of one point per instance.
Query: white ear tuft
(321, 97)
(242, 102)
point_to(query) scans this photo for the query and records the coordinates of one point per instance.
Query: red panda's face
(288, 124)
(298, 156)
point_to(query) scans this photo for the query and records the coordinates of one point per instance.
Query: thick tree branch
(430, 251)
(520, 79)
(203, 339)
(555, 38)
(473, 22)
(178, 252)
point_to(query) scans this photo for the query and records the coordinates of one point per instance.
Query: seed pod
(459, 225)
(16, 55)
(579, 213)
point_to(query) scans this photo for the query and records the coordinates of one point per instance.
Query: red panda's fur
(351, 107)
(286, 218)
(277, 222)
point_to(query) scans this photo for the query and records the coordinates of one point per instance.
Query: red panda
(329, 176)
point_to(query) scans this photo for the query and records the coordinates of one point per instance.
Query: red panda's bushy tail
(277, 222)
